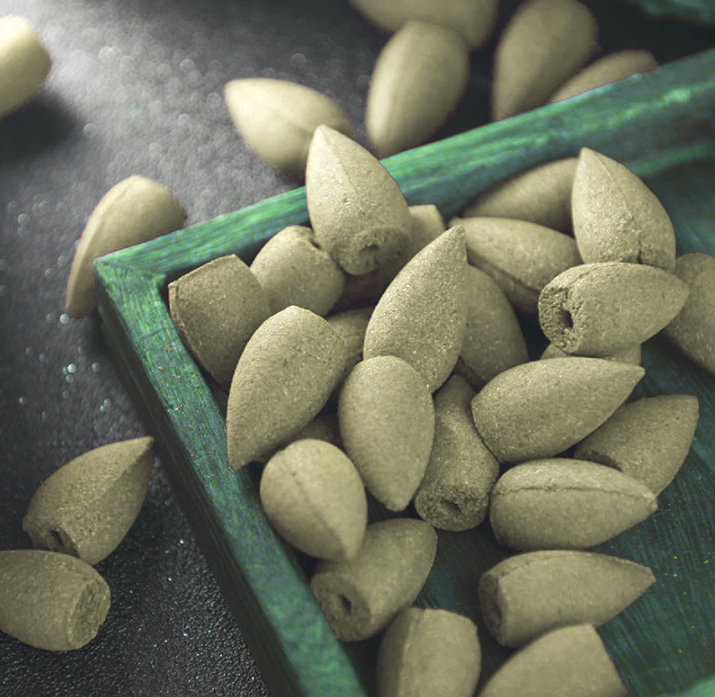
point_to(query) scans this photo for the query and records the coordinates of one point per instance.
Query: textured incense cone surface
(648, 439)
(530, 594)
(418, 80)
(293, 270)
(277, 119)
(616, 217)
(426, 226)
(386, 417)
(285, 375)
(599, 309)
(545, 43)
(422, 316)
(540, 195)
(323, 427)
(611, 68)
(541, 408)
(352, 325)
(693, 329)
(359, 215)
(315, 499)
(24, 64)
(454, 493)
(50, 601)
(359, 597)
(521, 257)
(493, 341)
(429, 652)
(215, 309)
(473, 19)
(561, 503)
(568, 662)
(87, 506)
(630, 354)
(135, 210)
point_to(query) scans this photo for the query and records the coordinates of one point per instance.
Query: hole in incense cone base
(57, 542)
(338, 606)
(344, 604)
(449, 508)
(565, 319)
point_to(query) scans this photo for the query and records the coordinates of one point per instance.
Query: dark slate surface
(136, 89)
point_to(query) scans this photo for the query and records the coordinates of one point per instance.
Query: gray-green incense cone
(541, 408)
(284, 377)
(540, 195)
(360, 597)
(429, 652)
(693, 329)
(545, 43)
(352, 325)
(616, 217)
(359, 215)
(427, 225)
(530, 594)
(454, 493)
(49, 600)
(86, 507)
(315, 499)
(630, 354)
(386, 418)
(602, 308)
(277, 119)
(561, 503)
(293, 270)
(474, 20)
(493, 341)
(422, 316)
(215, 309)
(563, 663)
(418, 80)
(323, 427)
(648, 439)
(521, 257)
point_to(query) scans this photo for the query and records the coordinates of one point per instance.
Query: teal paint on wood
(661, 125)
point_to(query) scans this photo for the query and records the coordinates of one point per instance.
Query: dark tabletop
(136, 89)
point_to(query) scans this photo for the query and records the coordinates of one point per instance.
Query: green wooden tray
(661, 125)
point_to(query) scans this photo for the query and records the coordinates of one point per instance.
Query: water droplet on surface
(71, 368)
(29, 351)
(69, 379)
(23, 219)
(65, 394)
(45, 415)
(90, 130)
(49, 273)
(42, 358)
(64, 318)
(96, 367)
(22, 400)
(187, 65)
(49, 318)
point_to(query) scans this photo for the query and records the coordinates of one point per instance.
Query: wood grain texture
(661, 126)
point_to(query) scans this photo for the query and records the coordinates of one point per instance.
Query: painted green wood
(660, 124)
(702, 11)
